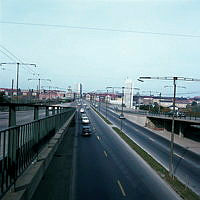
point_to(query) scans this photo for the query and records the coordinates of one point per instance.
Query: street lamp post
(122, 110)
(107, 104)
(159, 103)
(18, 64)
(39, 81)
(171, 170)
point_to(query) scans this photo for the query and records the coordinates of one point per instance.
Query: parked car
(86, 130)
(85, 120)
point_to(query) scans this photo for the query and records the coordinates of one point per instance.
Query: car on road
(85, 120)
(86, 130)
(87, 107)
(181, 114)
(83, 115)
(82, 110)
(121, 116)
(176, 114)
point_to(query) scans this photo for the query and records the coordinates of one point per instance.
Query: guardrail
(186, 116)
(19, 145)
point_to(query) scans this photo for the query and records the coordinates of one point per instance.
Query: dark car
(121, 116)
(176, 114)
(181, 114)
(86, 130)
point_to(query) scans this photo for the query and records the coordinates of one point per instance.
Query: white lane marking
(121, 188)
(105, 153)
(179, 155)
(151, 139)
(98, 137)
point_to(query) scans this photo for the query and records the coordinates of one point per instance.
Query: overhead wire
(17, 58)
(103, 29)
(7, 55)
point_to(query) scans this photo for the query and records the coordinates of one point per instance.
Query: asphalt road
(186, 163)
(21, 117)
(106, 168)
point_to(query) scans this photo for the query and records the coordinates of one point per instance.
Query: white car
(83, 115)
(85, 120)
(82, 110)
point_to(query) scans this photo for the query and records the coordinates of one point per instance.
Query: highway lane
(186, 163)
(106, 168)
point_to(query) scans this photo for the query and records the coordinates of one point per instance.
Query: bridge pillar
(164, 126)
(12, 142)
(47, 111)
(12, 116)
(58, 110)
(53, 111)
(36, 112)
(181, 130)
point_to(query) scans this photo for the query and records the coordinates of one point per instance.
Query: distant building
(79, 90)
(128, 93)
(69, 93)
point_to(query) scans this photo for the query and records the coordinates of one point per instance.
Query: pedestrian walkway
(182, 141)
(55, 184)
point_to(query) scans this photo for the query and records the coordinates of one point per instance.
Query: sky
(100, 43)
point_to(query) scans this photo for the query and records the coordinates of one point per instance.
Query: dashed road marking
(179, 155)
(121, 188)
(105, 153)
(151, 139)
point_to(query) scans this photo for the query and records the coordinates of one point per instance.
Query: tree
(2, 96)
(194, 103)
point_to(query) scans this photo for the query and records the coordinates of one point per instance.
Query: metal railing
(168, 115)
(19, 145)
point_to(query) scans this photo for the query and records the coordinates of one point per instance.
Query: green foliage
(194, 103)
(3, 97)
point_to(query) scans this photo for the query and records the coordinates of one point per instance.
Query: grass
(106, 120)
(179, 187)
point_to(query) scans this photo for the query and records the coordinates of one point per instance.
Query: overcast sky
(76, 52)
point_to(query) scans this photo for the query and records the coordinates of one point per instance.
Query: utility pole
(159, 102)
(174, 79)
(18, 64)
(17, 81)
(12, 90)
(122, 111)
(107, 104)
(39, 81)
